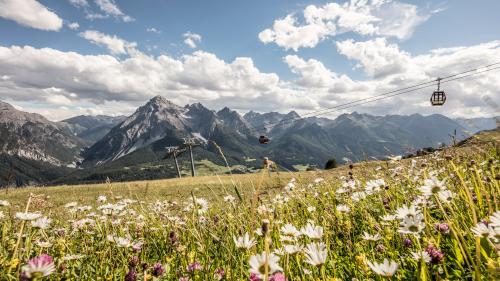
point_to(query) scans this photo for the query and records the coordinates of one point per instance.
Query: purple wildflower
(407, 242)
(436, 255)
(131, 275)
(194, 266)
(38, 267)
(444, 228)
(219, 274)
(158, 270)
(278, 276)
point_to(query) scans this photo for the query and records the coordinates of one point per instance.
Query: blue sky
(227, 30)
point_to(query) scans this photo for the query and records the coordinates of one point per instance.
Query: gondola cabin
(438, 98)
(263, 140)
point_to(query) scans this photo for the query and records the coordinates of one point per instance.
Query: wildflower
(131, 275)
(407, 212)
(407, 242)
(244, 242)
(343, 208)
(194, 266)
(4, 203)
(40, 266)
(157, 270)
(42, 223)
(357, 196)
(312, 231)
(396, 158)
(2, 215)
(316, 253)
(71, 205)
(319, 180)
(369, 237)
(446, 196)
(389, 218)
(72, 257)
(481, 230)
(292, 249)
(229, 198)
(133, 261)
(258, 264)
(432, 186)
(102, 199)
(421, 256)
(387, 268)
(444, 228)
(435, 254)
(311, 209)
(412, 225)
(290, 230)
(495, 219)
(278, 276)
(28, 216)
(219, 274)
(374, 186)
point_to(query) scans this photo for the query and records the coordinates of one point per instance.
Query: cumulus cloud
(364, 17)
(30, 13)
(191, 39)
(74, 25)
(114, 44)
(63, 81)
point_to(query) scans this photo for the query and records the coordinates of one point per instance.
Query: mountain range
(93, 148)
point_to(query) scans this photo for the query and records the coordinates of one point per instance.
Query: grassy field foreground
(429, 218)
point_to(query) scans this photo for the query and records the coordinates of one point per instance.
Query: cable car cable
(389, 94)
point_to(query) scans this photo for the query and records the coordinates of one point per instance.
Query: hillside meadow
(435, 217)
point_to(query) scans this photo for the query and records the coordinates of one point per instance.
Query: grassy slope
(211, 186)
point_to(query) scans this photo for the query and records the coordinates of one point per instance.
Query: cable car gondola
(263, 140)
(438, 98)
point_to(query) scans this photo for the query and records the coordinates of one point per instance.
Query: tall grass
(432, 218)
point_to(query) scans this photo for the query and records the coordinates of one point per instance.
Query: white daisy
(4, 203)
(343, 208)
(229, 198)
(421, 256)
(42, 223)
(258, 264)
(432, 186)
(446, 195)
(290, 230)
(244, 242)
(387, 268)
(481, 230)
(28, 216)
(369, 237)
(312, 231)
(315, 253)
(495, 219)
(412, 225)
(292, 249)
(39, 267)
(102, 198)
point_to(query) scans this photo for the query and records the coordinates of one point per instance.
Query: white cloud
(30, 13)
(114, 44)
(109, 7)
(191, 39)
(153, 30)
(61, 82)
(365, 17)
(74, 25)
(377, 57)
(79, 3)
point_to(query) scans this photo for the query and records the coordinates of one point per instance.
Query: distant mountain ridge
(117, 144)
(32, 136)
(90, 128)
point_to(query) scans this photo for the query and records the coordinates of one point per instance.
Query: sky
(62, 58)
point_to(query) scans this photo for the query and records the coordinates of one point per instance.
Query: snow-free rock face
(32, 136)
(159, 119)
